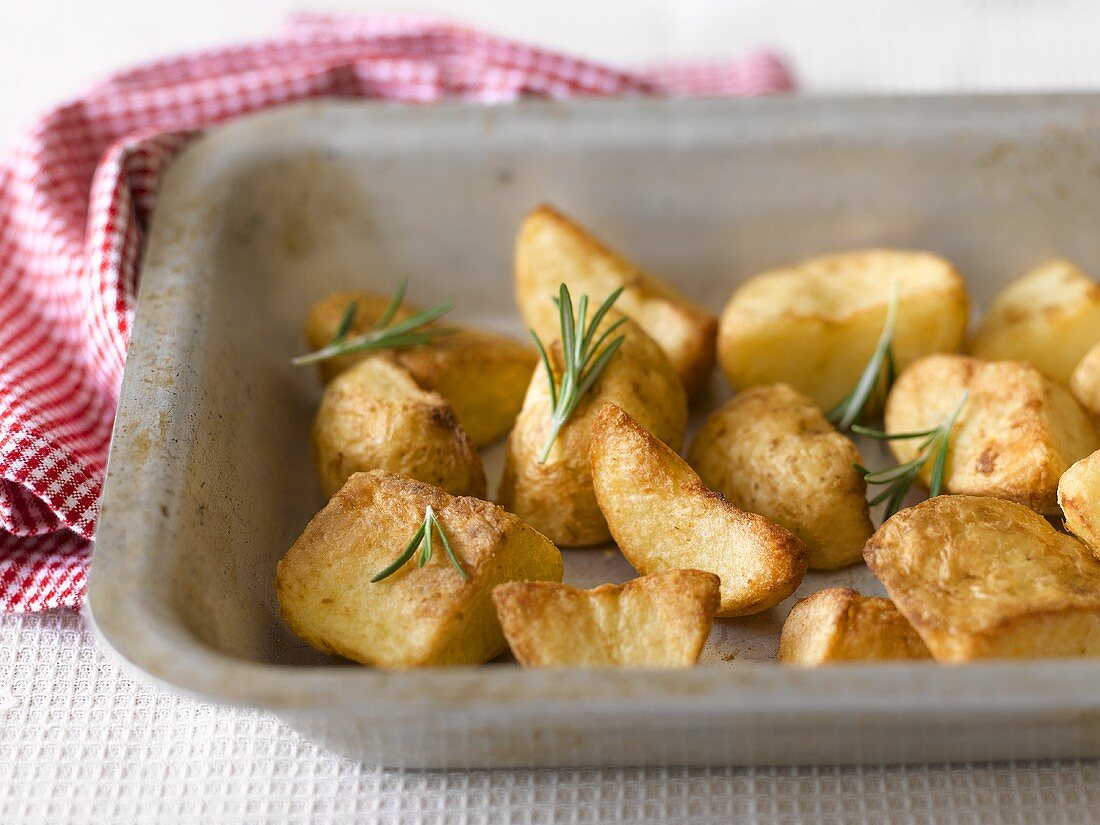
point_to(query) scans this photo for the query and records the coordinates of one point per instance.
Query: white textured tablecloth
(83, 742)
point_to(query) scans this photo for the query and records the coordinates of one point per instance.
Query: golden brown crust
(841, 625)
(663, 517)
(556, 497)
(660, 620)
(420, 615)
(770, 451)
(482, 374)
(1085, 383)
(373, 416)
(1049, 317)
(551, 250)
(1016, 435)
(982, 577)
(814, 325)
(1079, 497)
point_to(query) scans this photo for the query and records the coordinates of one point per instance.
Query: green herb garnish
(423, 540)
(584, 361)
(877, 377)
(410, 332)
(901, 477)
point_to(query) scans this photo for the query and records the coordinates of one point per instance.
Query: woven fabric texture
(83, 741)
(76, 192)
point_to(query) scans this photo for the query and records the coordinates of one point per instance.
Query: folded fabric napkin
(78, 189)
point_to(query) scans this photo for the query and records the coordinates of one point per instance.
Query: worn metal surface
(210, 478)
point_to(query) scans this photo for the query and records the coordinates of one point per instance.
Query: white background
(88, 742)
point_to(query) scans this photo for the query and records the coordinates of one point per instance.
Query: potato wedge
(663, 518)
(556, 497)
(840, 625)
(815, 325)
(419, 616)
(1016, 435)
(1049, 317)
(483, 375)
(375, 417)
(1085, 383)
(552, 250)
(982, 578)
(1079, 497)
(661, 620)
(770, 451)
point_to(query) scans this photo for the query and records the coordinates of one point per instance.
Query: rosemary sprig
(410, 332)
(584, 361)
(900, 478)
(423, 539)
(877, 377)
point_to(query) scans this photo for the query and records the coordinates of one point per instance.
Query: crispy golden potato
(419, 616)
(1049, 317)
(663, 517)
(552, 250)
(556, 498)
(1079, 496)
(661, 620)
(770, 451)
(374, 417)
(815, 325)
(483, 375)
(1085, 382)
(840, 625)
(982, 578)
(1016, 435)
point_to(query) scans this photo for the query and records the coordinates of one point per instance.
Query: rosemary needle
(850, 409)
(410, 332)
(584, 361)
(899, 478)
(422, 539)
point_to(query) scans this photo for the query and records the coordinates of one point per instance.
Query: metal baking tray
(210, 478)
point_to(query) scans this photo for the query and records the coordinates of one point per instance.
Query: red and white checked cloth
(77, 190)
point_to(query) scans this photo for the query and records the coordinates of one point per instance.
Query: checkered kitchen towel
(77, 190)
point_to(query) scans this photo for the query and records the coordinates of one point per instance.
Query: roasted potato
(1079, 496)
(770, 451)
(1085, 383)
(1049, 317)
(556, 497)
(815, 325)
(663, 518)
(1015, 436)
(982, 578)
(483, 375)
(418, 616)
(840, 625)
(375, 417)
(552, 250)
(660, 620)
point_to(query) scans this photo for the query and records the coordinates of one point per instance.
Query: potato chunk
(375, 417)
(663, 518)
(556, 498)
(1085, 382)
(1016, 435)
(661, 620)
(1079, 496)
(1049, 317)
(840, 625)
(982, 578)
(419, 616)
(771, 451)
(483, 375)
(552, 250)
(815, 325)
